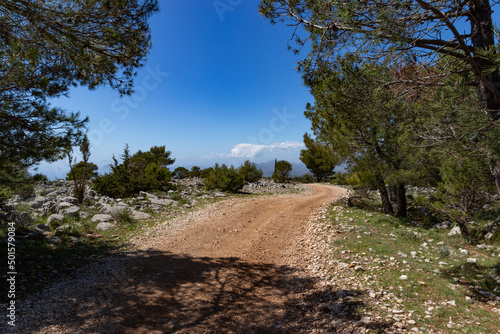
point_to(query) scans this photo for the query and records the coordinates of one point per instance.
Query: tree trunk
(384, 195)
(483, 36)
(401, 200)
(392, 193)
(495, 171)
(462, 224)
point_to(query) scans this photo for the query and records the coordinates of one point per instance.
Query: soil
(232, 267)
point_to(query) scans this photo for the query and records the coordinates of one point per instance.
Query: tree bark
(384, 195)
(495, 172)
(482, 36)
(401, 200)
(463, 228)
(392, 193)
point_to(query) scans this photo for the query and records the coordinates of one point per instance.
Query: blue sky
(219, 85)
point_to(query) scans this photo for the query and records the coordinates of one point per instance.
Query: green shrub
(183, 201)
(180, 173)
(143, 171)
(124, 216)
(282, 171)
(443, 251)
(224, 178)
(249, 172)
(175, 196)
(39, 177)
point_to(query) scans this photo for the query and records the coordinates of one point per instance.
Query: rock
(444, 225)
(187, 206)
(91, 193)
(49, 207)
(454, 231)
(16, 198)
(112, 209)
(148, 195)
(71, 211)
(55, 219)
(342, 265)
(324, 307)
(140, 215)
(472, 260)
(35, 234)
(105, 226)
(55, 240)
(161, 201)
(103, 218)
(37, 202)
(20, 218)
(403, 277)
(74, 239)
(63, 205)
(492, 229)
(70, 199)
(62, 229)
(43, 227)
(341, 294)
(55, 193)
(337, 323)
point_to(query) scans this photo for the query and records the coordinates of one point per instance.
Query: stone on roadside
(105, 226)
(454, 231)
(62, 229)
(102, 218)
(71, 211)
(63, 206)
(140, 215)
(55, 219)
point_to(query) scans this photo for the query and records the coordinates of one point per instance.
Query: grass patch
(411, 268)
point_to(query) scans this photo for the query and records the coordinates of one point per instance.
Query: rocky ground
(54, 209)
(242, 265)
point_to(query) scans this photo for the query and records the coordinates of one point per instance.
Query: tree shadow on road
(158, 292)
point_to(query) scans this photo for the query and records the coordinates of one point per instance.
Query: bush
(180, 173)
(39, 177)
(224, 178)
(249, 172)
(143, 171)
(124, 216)
(282, 171)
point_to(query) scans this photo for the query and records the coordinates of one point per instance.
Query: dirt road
(222, 269)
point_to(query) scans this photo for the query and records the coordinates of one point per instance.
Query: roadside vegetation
(411, 273)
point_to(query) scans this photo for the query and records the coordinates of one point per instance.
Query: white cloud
(244, 150)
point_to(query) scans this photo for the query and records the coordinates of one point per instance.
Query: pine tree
(319, 158)
(47, 47)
